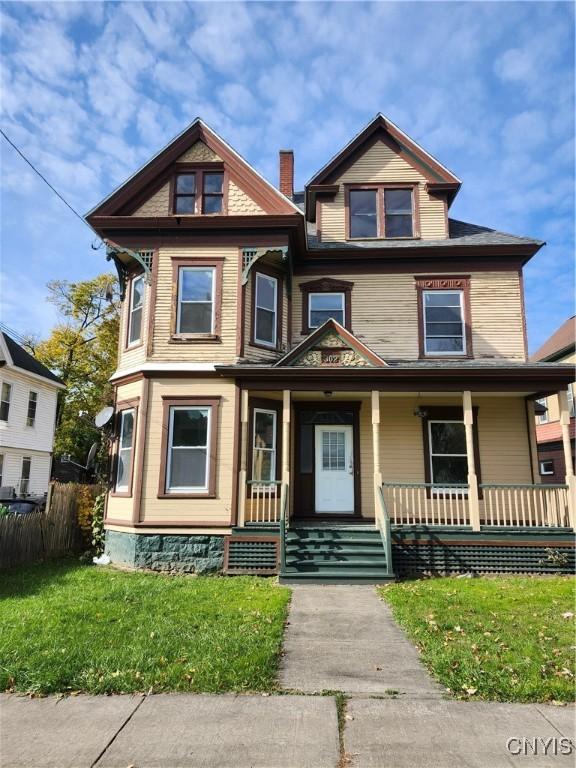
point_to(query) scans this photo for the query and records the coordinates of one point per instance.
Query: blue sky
(90, 91)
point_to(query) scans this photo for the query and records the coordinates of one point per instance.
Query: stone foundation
(159, 552)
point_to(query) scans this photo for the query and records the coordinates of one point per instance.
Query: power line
(45, 180)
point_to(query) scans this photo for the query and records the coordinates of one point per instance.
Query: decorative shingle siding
(157, 205)
(199, 153)
(240, 204)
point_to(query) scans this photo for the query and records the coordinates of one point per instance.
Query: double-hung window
(196, 287)
(198, 192)
(448, 457)
(5, 397)
(325, 306)
(25, 476)
(136, 309)
(32, 405)
(547, 467)
(264, 447)
(444, 326)
(1, 468)
(266, 310)
(188, 465)
(570, 396)
(125, 450)
(381, 212)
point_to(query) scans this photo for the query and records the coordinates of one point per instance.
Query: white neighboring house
(28, 395)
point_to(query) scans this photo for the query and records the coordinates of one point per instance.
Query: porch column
(473, 501)
(285, 443)
(242, 477)
(570, 479)
(376, 448)
(531, 416)
(376, 437)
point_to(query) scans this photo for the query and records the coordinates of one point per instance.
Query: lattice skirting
(258, 555)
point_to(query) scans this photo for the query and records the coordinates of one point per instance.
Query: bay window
(135, 310)
(125, 450)
(265, 330)
(195, 314)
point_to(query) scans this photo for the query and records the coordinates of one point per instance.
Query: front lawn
(502, 639)
(69, 627)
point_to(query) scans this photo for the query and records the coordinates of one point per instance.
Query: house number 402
(331, 358)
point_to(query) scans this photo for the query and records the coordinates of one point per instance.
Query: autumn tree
(82, 350)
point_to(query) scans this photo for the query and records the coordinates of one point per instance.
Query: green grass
(500, 639)
(69, 627)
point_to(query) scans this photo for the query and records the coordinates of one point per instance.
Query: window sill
(121, 494)
(440, 356)
(382, 239)
(267, 347)
(204, 495)
(195, 338)
(133, 345)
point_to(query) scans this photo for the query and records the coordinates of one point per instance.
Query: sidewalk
(188, 731)
(343, 638)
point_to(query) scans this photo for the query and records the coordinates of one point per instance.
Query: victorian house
(331, 384)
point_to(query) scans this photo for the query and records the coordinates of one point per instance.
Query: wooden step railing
(263, 502)
(426, 504)
(525, 505)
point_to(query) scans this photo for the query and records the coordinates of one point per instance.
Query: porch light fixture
(328, 393)
(420, 412)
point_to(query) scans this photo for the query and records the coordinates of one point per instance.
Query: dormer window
(199, 192)
(381, 211)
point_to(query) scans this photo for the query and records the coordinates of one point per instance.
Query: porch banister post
(531, 416)
(473, 501)
(243, 457)
(570, 478)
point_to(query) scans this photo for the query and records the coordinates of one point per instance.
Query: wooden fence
(43, 535)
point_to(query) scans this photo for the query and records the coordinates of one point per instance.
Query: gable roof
(562, 342)
(316, 336)
(19, 358)
(384, 129)
(151, 175)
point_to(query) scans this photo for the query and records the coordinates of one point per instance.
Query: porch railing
(263, 502)
(525, 505)
(383, 525)
(426, 504)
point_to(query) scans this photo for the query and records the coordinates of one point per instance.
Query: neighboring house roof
(19, 358)
(562, 342)
(147, 179)
(460, 234)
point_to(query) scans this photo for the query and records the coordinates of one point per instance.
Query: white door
(334, 478)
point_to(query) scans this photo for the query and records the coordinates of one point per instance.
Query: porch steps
(339, 554)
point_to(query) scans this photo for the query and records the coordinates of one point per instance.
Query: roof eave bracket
(251, 255)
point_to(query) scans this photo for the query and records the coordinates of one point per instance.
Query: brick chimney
(286, 185)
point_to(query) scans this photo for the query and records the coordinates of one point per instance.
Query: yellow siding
(225, 351)
(502, 437)
(381, 164)
(385, 314)
(213, 511)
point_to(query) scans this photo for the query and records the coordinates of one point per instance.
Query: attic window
(381, 211)
(199, 192)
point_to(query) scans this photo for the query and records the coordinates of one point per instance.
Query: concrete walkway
(188, 731)
(343, 638)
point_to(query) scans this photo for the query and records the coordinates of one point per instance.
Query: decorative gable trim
(331, 346)
(382, 129)
(151, 176)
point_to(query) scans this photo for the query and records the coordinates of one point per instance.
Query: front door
(334, 470)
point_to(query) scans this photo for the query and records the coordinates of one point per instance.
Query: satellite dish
(104, 416)
(92, 455)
